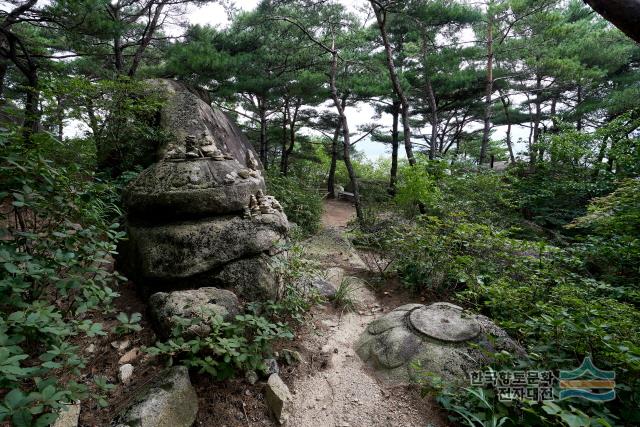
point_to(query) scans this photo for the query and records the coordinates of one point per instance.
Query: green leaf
(14, 398)
(573, 420)
(11, 268)
(45, 420)
(22, 418)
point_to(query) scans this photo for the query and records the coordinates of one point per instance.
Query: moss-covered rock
(169, 402)
(200, 304)
(181, 250)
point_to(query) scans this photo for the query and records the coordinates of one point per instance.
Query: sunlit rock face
(440, 339)
(201, 210)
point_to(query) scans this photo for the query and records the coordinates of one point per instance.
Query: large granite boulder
(439, 339)
(197, 129)
(201, 305)
(201, 212)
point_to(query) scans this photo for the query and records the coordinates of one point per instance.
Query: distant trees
(451, 75)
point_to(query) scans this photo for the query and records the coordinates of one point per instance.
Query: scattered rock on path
(324, 287)
(170, 402)
(439, 338)
(278, 398)
(251, 377)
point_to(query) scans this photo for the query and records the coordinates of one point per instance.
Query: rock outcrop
(439, 339)
(199, 217)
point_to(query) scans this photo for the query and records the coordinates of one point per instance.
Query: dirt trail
(342, 392)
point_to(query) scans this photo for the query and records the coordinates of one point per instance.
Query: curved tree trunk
(345, 132)
(505, 106)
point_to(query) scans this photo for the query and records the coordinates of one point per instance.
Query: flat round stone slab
(444, 322)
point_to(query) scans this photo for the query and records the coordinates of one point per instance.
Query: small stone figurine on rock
(259, 204)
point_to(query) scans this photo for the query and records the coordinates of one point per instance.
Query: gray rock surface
(199, 216)
(271, 366)
(68, 415)
(326, 285)
(181, 250)
(201, 304)
(252, 278)
(278, 398)
(186, 114)
(170, 402)
(191, 189)
(439, 339)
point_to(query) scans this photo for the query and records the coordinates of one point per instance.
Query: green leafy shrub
(417, 186)
(545, 296)
(611, 249)
(128, 323)
(552, 195)
(301, 202)
(240, 345)
(230, 347)
(57, 243)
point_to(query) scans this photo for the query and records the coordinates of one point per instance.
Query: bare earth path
(339, 389)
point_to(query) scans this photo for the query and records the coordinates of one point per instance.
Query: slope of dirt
(344, 392)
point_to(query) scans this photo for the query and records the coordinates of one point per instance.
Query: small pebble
(125, 373)
(120, 345)
(129, 356)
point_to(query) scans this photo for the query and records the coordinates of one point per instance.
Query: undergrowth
(59, 233)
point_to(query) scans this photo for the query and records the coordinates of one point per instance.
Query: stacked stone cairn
(202, 232)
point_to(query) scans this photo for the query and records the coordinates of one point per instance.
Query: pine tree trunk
(345, 132)
(505, 106)
(538, 114)
(395, 142)
(488, 91)
(264, 149)
(31, 113)
(4, 65)
(284, 161)
(331, 180)
(579, 121)
(431, 99)
(395, 81)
